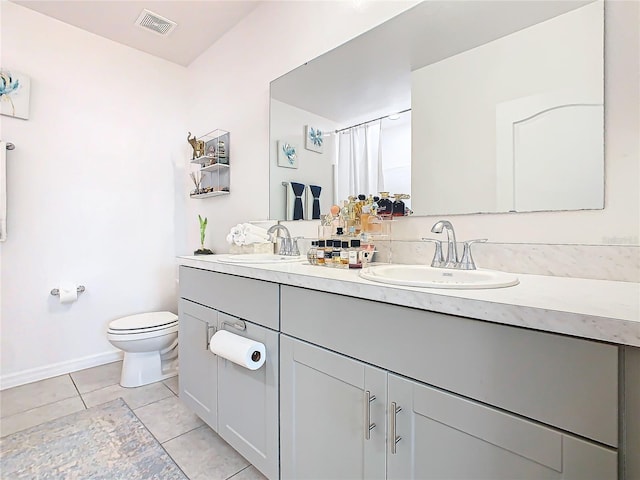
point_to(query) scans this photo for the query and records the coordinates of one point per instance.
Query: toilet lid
(144, 321)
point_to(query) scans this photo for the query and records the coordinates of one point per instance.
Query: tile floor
(198, 450)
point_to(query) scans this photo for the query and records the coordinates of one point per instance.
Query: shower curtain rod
(369, 121)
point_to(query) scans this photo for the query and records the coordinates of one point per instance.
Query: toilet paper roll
(239, 350)
(68, 292)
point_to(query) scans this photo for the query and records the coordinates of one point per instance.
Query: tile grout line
(77, 390)
(39, 406)
(238, 472)
(183, 433)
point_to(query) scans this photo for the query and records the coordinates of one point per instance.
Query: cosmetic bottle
(328, 254)
(385, 205)
(320, 252)
(364, 218)
(355, 260)
(337, 249)
(344, 255)
(312, 253)
(398, 204)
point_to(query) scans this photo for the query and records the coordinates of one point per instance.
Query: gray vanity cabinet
(248, 400)
(241, 405)
(441, 436)
(325, 415)
(464, 399)
(330, 401)
(198, 378)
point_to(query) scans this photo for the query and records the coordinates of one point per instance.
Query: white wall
(313, 168)
(90, 193)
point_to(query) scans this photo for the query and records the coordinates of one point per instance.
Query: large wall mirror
(468, 106)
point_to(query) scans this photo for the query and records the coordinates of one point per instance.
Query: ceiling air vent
(156, 23)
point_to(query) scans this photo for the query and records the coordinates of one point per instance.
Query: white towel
(255, 230)
(3, 191)
(247, 234)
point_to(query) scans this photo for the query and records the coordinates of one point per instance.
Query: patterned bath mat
(106, 442)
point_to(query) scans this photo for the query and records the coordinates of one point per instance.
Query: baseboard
(48, 371)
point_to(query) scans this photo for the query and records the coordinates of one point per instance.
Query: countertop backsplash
(598, 262)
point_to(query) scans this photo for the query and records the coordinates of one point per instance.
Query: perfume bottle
(398, 205)
(320, 252)
(337, 249)
(312, 253)
(344, 255)
(385, 205)
(355, 257)
(328, 254)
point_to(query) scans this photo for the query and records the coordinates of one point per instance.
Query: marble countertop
(594, 309)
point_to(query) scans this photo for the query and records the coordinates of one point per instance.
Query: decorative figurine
(197, 145)
(203, 228)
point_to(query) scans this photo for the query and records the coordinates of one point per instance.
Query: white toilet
(150, 345)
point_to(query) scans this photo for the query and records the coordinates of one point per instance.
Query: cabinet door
(326, 414)
(248, 400)
(198, 366)
(443, 436)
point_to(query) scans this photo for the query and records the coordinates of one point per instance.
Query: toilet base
(143, 368)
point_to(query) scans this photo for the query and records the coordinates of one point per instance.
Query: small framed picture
(14, 94)
(313, 139)
(287, 154)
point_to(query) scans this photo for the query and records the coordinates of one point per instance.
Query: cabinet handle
(208, 335)
(368, 426)
(394, 439)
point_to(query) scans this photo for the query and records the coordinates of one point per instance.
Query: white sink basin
(260, 258)
(426, 276)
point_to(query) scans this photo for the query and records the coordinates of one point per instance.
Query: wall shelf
(214, 168)
(209, 194)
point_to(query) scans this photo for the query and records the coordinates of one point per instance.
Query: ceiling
(200, 23)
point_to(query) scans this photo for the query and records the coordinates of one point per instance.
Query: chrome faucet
(452, 248)
(288, 245)
(452, 261)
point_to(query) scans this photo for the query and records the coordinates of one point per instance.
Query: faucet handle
(467, 262)
(294, 246)
(438, 257)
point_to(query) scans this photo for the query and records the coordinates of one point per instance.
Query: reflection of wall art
(287, 154)
(313, 139)
(14, 94)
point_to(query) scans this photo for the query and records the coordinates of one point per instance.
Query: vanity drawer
(562, 381)
(246, 298)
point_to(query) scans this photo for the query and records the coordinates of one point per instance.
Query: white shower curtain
(359, 165)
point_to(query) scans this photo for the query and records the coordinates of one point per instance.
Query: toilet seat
(143, 322)
(131, 335)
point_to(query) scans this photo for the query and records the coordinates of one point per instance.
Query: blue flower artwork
(287, 154)
(313, 139)
(14, 94)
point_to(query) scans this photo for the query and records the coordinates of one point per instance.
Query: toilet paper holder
(56, 291)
